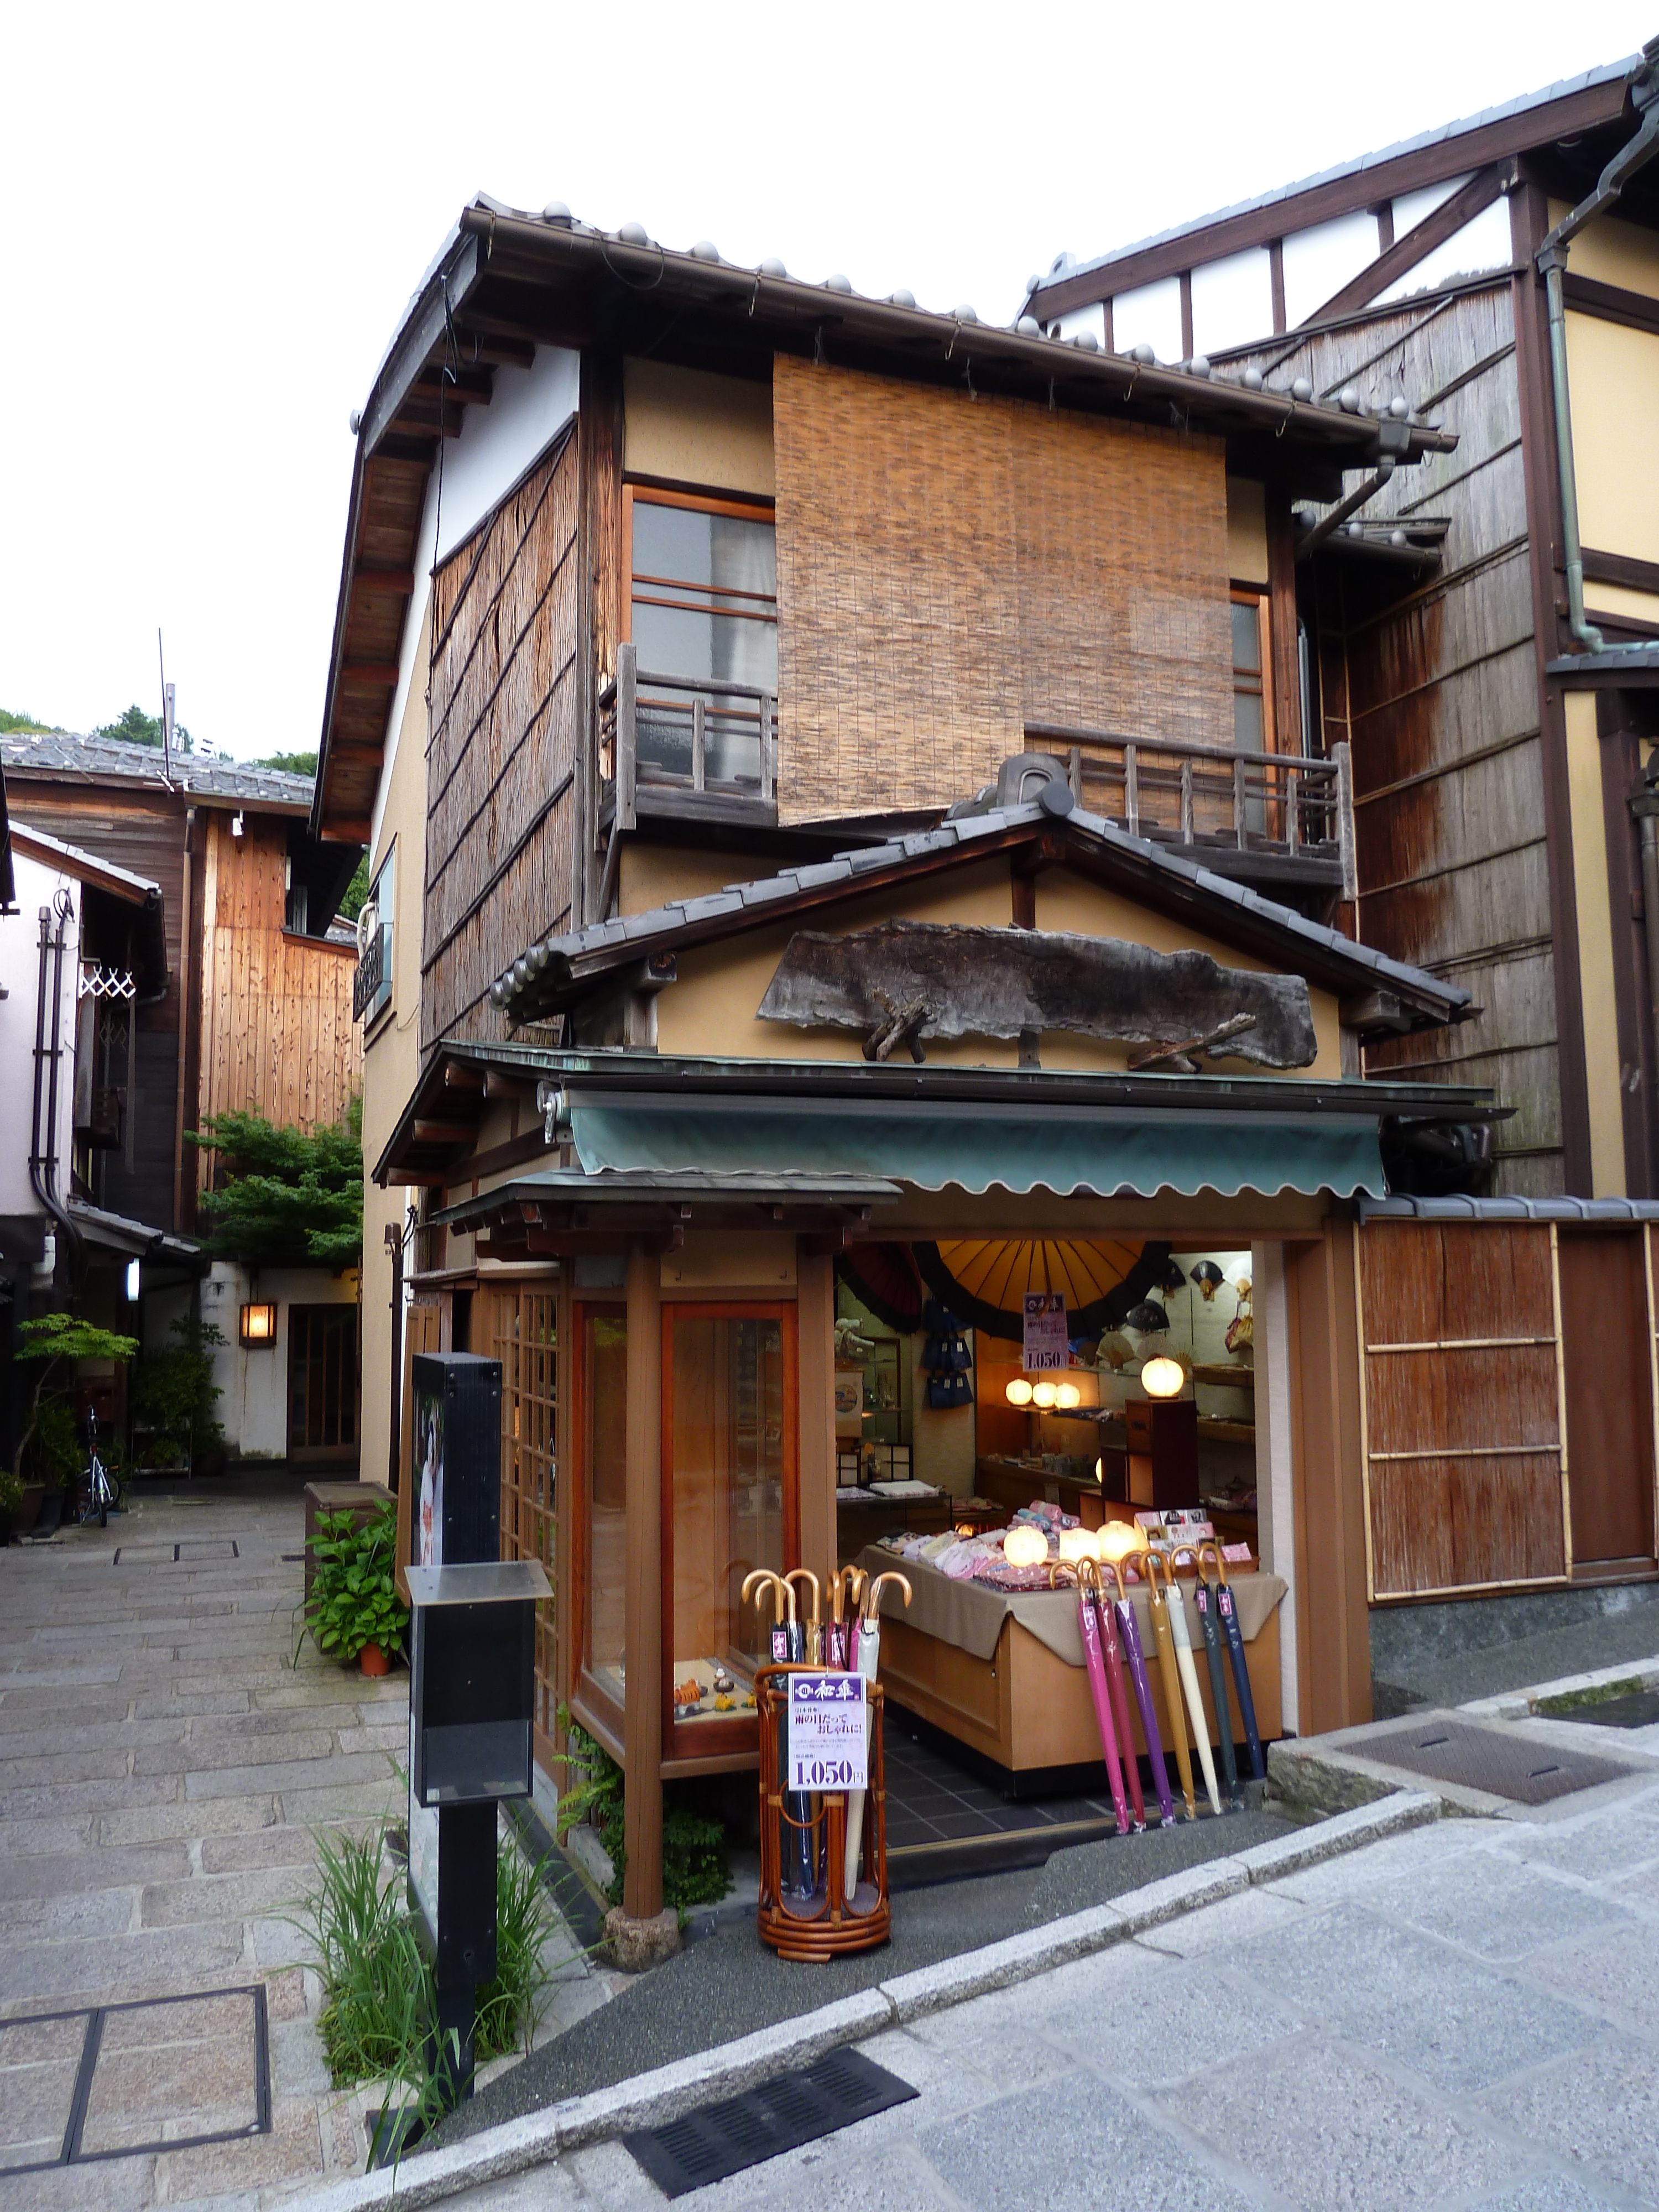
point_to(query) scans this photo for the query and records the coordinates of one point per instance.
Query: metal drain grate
(1526, 1772)
(172, 1555)
(792, 2109)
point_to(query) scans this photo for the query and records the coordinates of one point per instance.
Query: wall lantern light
(257, 1326)
(1163, 1378)
(1018, 1392)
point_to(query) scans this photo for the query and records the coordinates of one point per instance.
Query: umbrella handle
(1212, 1543)
(805, 1574)
(757, 1580)
(872, 1592)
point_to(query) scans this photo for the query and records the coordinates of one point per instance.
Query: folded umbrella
(1112, 1650)
(1183, 1638)
(846, 1587)
(1094, 1661)
(1131, 1651)
(1203, 1598)
(1163, 1637)
(795, 1853)
(869, 1653)
(1227, 1605)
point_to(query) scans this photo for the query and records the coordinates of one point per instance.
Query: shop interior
(944, 1430)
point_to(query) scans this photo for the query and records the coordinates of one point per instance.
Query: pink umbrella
(1094, 1660)
(1125, 1611)
(1126, 1734)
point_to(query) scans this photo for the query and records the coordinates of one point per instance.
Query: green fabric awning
(1107, 1153)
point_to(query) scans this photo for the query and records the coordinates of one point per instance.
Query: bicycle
(103, 1494)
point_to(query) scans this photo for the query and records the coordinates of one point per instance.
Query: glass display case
(602, 1538)
(729, 1433)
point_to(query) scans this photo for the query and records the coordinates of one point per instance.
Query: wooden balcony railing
(684, 733)
(1281, 807)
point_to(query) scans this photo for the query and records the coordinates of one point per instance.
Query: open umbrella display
(1089, 1601)
(1162, 1636)
(1203, 1598)
(1227, 1610)
(1124, 1609)
(1182, 1638)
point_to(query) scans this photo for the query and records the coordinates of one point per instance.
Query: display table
(1003, 1671)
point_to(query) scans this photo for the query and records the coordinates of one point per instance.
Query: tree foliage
(356, 891)
(291, 1199)
(289, 764)
(173, 1394)
(53, 1339)
(28, 724)
(135, 727)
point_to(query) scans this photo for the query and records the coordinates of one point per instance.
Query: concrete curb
(649, 2099)
(1521, 1705)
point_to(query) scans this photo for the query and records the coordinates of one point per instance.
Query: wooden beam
(463, 1075)
(424, 330)
(383, 583)
(1276, 283)
(364, 675)
(1621, 569)
(443, 1133)
(1610, 303)
(1419, 242)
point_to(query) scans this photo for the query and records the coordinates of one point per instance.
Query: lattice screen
(523, 1337)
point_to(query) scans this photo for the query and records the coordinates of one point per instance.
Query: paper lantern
(1018, 1392)
(1044, 1394)
(1067, 1395)
(257, 1325)
(1120, 1540)
(1024, 1546)
(1163, 1378)
(1080, 1544)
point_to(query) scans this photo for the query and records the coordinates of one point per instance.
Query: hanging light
(1018, 1392)
(1066, 1395)
(1163, 1378)
(1045, 1395)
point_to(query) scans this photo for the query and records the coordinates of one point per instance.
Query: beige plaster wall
(1246, 532)
(1615, 252)
(1614, 373)
(1617, 599)
(650, 875)
(1594, 902)
(686, 426)
(391, 1062)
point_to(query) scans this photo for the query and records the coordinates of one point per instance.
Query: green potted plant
(354, 1608)
(173, 1399)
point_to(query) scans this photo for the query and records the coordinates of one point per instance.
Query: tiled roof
(668, 922)
(99, 759)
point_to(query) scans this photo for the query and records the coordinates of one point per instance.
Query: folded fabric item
(999, 1575)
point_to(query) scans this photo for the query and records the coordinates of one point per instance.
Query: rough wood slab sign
(998, 982)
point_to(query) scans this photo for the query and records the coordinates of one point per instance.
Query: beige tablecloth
(970, 1615)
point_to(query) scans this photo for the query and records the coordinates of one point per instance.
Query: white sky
(215, 216)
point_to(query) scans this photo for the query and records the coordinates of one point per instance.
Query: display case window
(602, 1428)
(730, 1505)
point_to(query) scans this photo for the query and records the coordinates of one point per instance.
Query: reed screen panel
(950, 568)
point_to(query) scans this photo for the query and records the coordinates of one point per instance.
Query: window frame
(741, 510)
(733, 1742)
(382, 999)
(1247, 595)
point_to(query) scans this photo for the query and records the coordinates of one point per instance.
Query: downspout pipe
(1552, 263)
(43, 1153)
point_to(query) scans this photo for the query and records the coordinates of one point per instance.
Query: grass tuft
(1603, 1693)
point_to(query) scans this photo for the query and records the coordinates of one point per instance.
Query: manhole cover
(792, 2109)
(1640, 1709)
(1526, 1771)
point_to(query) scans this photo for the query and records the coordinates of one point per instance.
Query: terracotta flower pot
(373, 1661)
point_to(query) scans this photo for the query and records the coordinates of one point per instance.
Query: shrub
(354, 1597)
(173, 1394)
(694, 1871)
(53, 1339)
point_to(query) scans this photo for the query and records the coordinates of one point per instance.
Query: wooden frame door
(598, 1503)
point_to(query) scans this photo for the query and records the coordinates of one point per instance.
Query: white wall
(1092, 318)
(1484, 243)
(20, 973)
(1321, 261)
(1150, 315)
(1232, 301)
(527, 408)
(253, 1406)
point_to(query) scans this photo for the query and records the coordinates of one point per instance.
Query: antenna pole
(167, 712)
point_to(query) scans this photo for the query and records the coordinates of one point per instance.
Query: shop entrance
(948, 1423)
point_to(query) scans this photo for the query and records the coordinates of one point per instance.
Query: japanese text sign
(1045, 1345)
(826, 1746)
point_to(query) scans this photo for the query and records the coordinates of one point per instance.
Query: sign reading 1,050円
(827, 1746)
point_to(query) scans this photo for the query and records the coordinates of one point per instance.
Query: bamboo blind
(501, 755)
(1466, 1462)
(950, 569)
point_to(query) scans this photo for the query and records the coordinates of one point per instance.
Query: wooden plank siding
(506, 692)
(1465, 1443)
(1436, 689)
(279, 1038)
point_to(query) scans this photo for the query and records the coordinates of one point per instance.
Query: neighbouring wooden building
(222, 992)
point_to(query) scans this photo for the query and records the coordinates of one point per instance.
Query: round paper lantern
(1163, 1378)
(1044, 1394)
(1067, 1395)
(1080, 1544)
(1018, 1392)
(1024, 1546)
(1120, 1540)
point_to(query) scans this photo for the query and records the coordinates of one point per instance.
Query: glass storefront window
(732, 1461)
(604, 1521)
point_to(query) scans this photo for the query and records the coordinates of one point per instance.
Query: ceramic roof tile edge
(1588, 1210)
(64, 752)
(1441, 134)
(120, 1230)
(668, 920)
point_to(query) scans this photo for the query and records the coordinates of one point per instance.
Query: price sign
(825, 1744)
(1045, 1347)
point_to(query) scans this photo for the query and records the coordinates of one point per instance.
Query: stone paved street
(1466, 2015)
(163, 1763)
